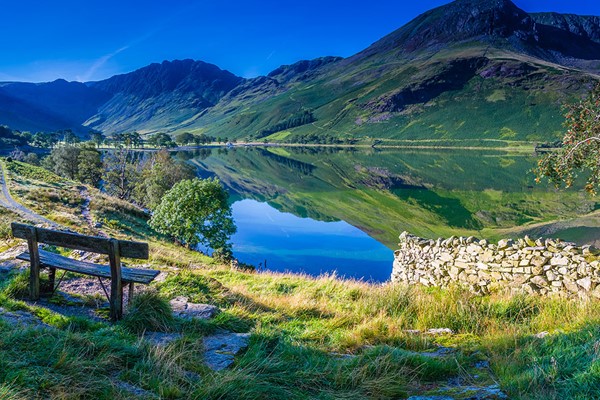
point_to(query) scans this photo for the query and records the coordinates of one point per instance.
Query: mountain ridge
(465, 48)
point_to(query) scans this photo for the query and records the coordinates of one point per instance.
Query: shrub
(149, 311)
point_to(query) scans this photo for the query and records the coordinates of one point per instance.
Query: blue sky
(92, 40)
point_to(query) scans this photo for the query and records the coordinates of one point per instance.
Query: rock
(539, 281)
(136, 391)
(585, 283)
(571, 287)
(529, 242)
(440, 331)
(559, 261)
(541, 335)
(441, 351)
(183, 309)
(504, 243)
(13, 252)
(220, 349)
(161, 277)
(492, 392)
(12, 265)
(551, 276)
(22, 318)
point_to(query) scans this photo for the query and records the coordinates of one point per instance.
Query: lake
(320, 210)
(280, 241)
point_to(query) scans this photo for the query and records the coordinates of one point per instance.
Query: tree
(120, 175)
(70, 137)
(97, 139)
(159, 174)
(161, 139)
(66, 161)
(184, 138)
(196, 212)
(90, 166)
(580, 149)
(32, 158)
(41, 139)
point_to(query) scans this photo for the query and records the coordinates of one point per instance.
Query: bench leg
(34, 282)
(130, 293)
(51, 279)
(116, 302)
(116, 283)
(34, 270)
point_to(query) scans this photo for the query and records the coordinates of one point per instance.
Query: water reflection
(488, 194)
(285, 242)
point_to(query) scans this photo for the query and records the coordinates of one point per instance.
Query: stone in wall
(548, 267)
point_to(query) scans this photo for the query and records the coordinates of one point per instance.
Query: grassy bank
(311, 337)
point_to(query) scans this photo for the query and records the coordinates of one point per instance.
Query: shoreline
(526, 148)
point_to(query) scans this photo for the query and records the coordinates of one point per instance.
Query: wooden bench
(115, 249)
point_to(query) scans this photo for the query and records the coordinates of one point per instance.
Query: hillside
(308, 337)
(469, 69)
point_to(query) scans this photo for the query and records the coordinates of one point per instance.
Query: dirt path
(86, 213)
(7, 201)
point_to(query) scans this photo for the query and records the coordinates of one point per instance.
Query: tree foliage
(90, 166)
(196, 212)
(302, 118)
(580, 151)
(158, 174)
(120, 174)
(65, 161)
(161, 139)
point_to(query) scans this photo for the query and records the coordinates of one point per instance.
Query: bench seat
(53, 260)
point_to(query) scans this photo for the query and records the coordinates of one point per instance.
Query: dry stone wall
(547, 267)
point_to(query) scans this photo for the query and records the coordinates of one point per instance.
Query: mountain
(160, 95)
(471, 70)
(48, 106)
(580, 25)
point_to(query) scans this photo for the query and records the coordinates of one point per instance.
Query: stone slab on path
(22, 319)
(220, 349)
(184, 309)
(161, 338)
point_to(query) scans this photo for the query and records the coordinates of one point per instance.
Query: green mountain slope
(472, 69)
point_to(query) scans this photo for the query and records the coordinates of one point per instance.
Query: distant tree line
(303, 118)
(548, 146)
(15, 138)
(130, 140)
(142, 178)
(318, 137)
(10, 138)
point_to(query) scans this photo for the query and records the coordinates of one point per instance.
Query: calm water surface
(322, 210)
(285, 242)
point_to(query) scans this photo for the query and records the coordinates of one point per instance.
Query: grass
(320, 338)
(149, 311)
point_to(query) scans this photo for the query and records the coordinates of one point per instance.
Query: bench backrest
(76, 241)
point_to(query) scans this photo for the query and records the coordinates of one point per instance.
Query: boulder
(184, 309)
